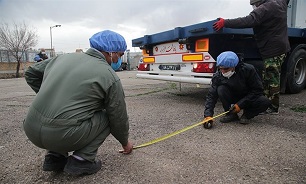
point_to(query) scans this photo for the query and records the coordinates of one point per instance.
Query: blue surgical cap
(108, 41)
(227, 59)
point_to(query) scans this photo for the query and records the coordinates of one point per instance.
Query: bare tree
(17, 38)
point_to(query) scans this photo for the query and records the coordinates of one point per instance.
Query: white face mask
(43, 52)
(228, 74)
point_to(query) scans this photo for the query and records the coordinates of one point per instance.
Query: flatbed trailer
(188, 54)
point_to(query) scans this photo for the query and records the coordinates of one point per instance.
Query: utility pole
(51, 53)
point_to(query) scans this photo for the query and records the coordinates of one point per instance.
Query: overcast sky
(80, 19)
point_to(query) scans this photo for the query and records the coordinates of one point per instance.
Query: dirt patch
(271, 149)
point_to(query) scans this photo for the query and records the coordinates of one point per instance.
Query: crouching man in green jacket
(79, 102)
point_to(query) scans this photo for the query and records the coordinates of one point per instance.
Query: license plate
(169, 48)
(169, 67)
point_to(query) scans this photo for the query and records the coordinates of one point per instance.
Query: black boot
(244, 120)
(229, 117)
(81, 167)
(54, 162)
(271, 110)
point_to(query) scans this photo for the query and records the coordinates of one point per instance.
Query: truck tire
(296, 73)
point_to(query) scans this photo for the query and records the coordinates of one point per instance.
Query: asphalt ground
(271, 149)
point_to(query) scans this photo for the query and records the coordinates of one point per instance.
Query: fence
(26, 56)
(8, 63)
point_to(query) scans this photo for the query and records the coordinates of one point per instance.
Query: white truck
(188, 54)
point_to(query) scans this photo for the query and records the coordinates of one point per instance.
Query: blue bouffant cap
(227, 59)
(108, 41)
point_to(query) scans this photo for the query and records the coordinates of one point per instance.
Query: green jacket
(73, 87)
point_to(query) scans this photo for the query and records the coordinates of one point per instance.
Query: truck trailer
(188, 54)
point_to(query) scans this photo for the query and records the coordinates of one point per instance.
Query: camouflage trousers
(271, 78)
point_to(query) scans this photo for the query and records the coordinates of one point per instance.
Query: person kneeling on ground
(79, 102)
(238, 86)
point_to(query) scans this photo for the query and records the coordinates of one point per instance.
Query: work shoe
(81, 167)
(54, 162)
(270, 110)
(244, 120)
(229, 117)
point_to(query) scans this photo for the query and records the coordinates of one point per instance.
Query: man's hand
(127, 149)
(234, 109)
(208, 122)
(206, 119)
(219, 24)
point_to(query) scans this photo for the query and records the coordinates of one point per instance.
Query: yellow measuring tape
(176, 132)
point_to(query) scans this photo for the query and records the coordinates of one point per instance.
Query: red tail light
(202, 67)
(144, 67)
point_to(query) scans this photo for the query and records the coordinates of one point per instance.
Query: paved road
(272, 149)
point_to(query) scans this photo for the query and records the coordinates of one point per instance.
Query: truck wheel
(296, 76)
